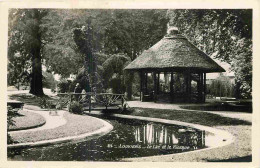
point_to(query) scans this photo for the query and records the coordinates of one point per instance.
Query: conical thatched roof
(174, 52)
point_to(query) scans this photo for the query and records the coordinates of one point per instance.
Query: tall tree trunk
(36, 76)
(35, 51)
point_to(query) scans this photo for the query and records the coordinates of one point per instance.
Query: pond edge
(219, 138)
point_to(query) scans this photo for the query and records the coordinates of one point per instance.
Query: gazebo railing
(92, 99)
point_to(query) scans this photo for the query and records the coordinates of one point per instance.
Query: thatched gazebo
(183, 65)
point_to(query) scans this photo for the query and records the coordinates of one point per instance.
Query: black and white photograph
(129, 85)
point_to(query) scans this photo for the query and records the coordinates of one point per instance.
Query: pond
(128, 139)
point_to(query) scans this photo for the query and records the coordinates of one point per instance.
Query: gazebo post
(200, 87)
(141, 85)
(171, 87)
(145, 81)
(158, 83)
(205, 89)
(154, 86)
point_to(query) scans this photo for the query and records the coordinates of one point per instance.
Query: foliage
(81, 36)
(221, 87)
(113, 72)
(11, 113)
(17, 75)
(84, 39)
(132, 31)
(64, 86)
(60, 54)
(76, 107)
(69, 39)
(44, 103)
(226, 34)
(48, 80)
(64, 55)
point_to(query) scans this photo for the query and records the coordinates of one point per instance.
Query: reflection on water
(129, 138)
(158, 134)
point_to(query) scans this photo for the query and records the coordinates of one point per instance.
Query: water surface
(129, 138)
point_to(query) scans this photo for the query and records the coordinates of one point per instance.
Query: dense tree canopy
(65, 41)
(78, 36)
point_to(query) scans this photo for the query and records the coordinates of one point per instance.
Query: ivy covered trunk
(129, 84)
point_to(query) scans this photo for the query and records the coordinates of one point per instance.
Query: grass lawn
(26, 120)
(221, 107)
(75, 126)
(29, 98)
(202, 118)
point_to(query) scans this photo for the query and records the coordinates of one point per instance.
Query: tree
(17, 73)
(114, 75)
(61, 54)
(226, 34)
(112, 32)
(25, 39)
(131, 32)
(221, 87)
(84, 39)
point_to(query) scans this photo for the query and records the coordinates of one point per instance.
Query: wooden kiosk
(177, 63)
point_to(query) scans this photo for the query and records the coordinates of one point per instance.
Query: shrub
(43, 103)
(76, 107)
(11, 113)
(48, 80)
(64, 86)
(73, 85)
(221, 87)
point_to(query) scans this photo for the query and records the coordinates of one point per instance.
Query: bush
(221, 87)
(46, 103)
(43, 102)
(76, 107)
(11, 113)
(64, 86)
(48, 80)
